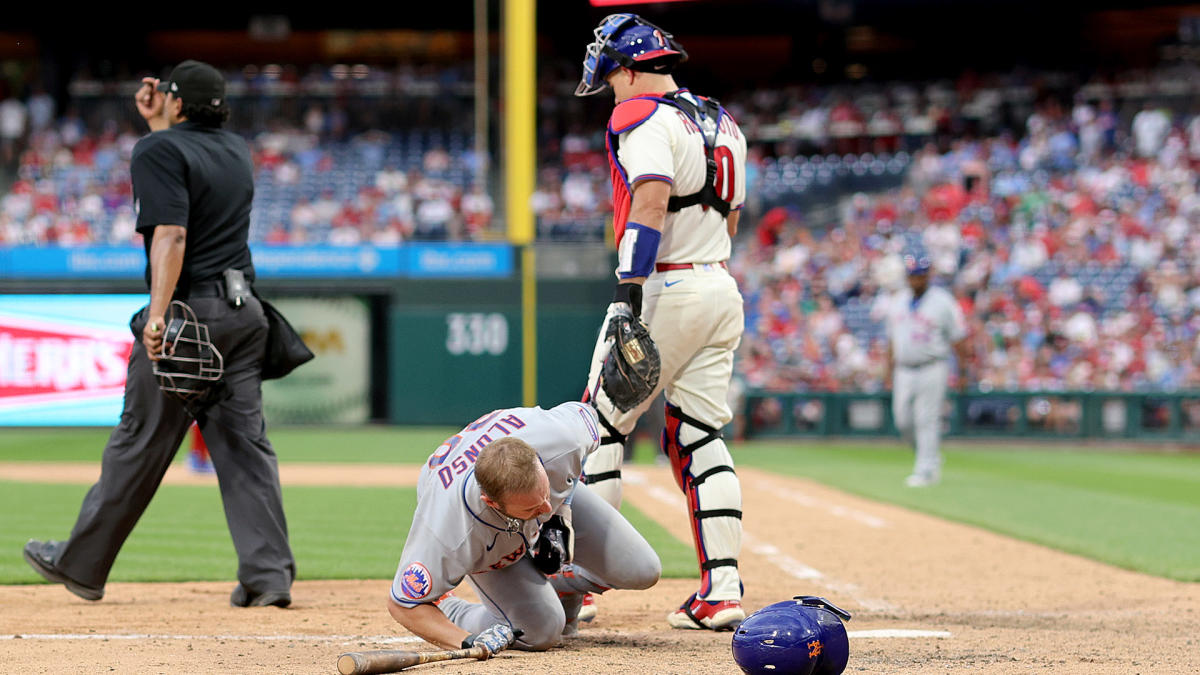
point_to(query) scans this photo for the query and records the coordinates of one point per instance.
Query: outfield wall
(1052, 414)
(417, 334)
(454, 348)
(431, 334)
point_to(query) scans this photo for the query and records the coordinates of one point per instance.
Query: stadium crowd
(1073, 260)
(1063, 222)
(72, 189)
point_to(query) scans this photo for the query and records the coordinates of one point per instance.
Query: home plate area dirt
(927, 595)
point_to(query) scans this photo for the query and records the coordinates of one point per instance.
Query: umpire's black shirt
(201, 178)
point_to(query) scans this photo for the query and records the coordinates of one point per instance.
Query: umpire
(192, 187)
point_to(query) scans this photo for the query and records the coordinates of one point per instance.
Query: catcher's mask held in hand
(189, 364)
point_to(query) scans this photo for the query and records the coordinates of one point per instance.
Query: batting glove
(496, 638)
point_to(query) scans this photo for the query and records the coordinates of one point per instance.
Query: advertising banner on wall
(418, 260)
(63, 358)
(335, 386)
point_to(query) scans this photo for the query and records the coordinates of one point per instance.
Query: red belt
(667, 267)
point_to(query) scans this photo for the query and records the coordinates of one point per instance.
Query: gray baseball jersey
(922, 332)
(453, 533)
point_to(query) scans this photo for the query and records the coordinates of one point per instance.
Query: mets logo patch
(415, 581)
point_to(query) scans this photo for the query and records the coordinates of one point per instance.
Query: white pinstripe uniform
(694, 312)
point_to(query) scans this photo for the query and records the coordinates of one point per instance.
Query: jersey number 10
(723, 183)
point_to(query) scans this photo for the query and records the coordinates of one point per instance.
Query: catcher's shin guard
(602, 469)
(704, 471)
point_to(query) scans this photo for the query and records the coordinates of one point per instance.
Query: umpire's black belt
(214, 288)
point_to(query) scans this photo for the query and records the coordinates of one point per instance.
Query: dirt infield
(928, 596)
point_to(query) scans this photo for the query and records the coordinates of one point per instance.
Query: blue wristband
(638, 251)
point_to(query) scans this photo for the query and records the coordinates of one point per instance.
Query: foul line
(380, 639)
(814, 503)
(799, 570)
(787, 564)
(660, 494)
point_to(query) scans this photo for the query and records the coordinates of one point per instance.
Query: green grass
(1135, 510)
(678, 558)
(336, 533)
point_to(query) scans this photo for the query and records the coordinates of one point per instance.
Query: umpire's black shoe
(41, 556)
(240, 597)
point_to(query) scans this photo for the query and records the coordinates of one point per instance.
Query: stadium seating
(1055, 196)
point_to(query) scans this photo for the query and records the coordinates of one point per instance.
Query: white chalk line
(345, 639)
(814, 503)
(790, 566)
(799, 570)
(669, 497)
(658, 493)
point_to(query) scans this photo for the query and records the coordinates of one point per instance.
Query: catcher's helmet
(627, 40)
(802, 636)
(189, 364)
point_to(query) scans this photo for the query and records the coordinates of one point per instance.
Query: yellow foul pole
(520, 124)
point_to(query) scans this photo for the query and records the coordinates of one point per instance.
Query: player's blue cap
(916, 264)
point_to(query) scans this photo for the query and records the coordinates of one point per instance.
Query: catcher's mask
(189, 364)
(804, 635)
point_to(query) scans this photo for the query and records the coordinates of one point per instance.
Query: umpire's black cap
(197, 83)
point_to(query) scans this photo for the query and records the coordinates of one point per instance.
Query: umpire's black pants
(152, 427)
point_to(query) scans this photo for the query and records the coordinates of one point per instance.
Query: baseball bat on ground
(394, 660)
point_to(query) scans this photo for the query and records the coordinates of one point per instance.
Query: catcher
(499, 503)
(678, 183)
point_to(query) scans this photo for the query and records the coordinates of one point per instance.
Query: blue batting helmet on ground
(627, 40)
(802, 636)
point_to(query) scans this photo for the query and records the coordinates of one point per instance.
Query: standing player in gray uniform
(499, 503)
(924, 324)
(678, 173)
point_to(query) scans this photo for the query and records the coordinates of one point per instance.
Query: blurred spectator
(12, 127)
(41, 110)
(1065, 290)
(545, 200)
(578, 193)
(1150, 129)
(477, 210)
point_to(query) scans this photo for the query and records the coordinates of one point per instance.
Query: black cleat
(41, 555)
(241, 598)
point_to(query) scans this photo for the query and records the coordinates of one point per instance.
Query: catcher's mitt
(631, 369)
